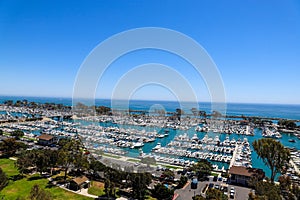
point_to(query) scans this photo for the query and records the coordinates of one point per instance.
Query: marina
(224, 143)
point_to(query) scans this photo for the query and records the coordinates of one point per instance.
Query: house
(241, 175)
(46, 140)
(79, 182)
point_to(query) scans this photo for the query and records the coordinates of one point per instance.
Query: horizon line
(163, 100)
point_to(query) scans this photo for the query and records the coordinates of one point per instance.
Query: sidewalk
(81, 192)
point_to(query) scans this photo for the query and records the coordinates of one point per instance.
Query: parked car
(225, 189)
(232, 190)
(222, 188)
(217, 187)
(215, 178)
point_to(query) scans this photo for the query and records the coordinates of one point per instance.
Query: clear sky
(255, 45)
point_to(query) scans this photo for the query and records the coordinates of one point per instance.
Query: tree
(202, 168)
(285, 182)
(24, 161)
(182, 181)
(3, 179)
(216, 114)
(69, 155)
(96, 166)
(179, 112)
(102, 110)
(289, 124)
(273, 154)
(168, 174)
(107, 187)
(53, 158)
(9, 102)
(1, 132)
(33, 105)
(148, 160)
(17, 134)
(139, 184)
(18, 103)
(213, 194)
(202, 113)
(296, 190)
(41, 160)
(194, 111)
(38, 193)
(9, 146)
(198, 197)
(265, 190)
(161, 192)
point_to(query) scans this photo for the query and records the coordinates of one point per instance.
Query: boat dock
(233, 157)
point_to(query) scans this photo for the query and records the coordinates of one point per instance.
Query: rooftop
(80, 180)
(240, 170)
(45, 137)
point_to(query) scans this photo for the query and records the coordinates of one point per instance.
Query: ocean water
(263, 110)
(287, 111)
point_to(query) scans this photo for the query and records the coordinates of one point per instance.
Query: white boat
(158, 146)
(195, 137)
(137, 145)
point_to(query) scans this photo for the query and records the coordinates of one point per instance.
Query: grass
(133, 160)
(172, 167)
(112, 156)
(8, 166)
(96, 188)
(214, 174)
(150, 198)
(21, 188)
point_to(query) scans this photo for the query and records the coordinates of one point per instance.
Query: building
(46, 140)
(78, 183)
(241, 175)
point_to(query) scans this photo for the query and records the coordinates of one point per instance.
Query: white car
(232, 190)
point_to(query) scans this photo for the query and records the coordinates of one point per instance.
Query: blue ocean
(287, 111)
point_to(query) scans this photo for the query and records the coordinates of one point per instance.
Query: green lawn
(150, 198)
(111, 156)
(21, 188)
(172, 167)
(133, 160)
(96, 189)
(8, 166)
(214, 174)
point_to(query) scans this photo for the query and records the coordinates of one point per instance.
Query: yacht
(158, 146)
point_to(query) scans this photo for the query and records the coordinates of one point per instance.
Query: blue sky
(255, 45)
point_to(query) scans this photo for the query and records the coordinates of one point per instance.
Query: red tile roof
(45, 137)
(240, 170)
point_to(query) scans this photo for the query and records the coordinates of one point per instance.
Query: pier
(233, 157)
(295, 166)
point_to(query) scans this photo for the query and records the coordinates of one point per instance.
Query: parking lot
(239, 193)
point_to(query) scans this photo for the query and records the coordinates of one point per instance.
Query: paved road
(187, 193)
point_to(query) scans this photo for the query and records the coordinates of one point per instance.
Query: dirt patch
(98, 184)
